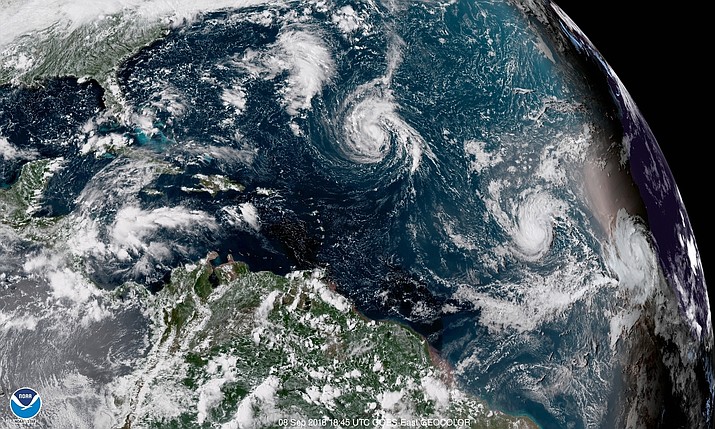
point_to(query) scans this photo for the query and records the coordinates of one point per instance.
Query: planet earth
(249, 213)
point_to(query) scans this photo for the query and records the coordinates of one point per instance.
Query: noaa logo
(25, 403)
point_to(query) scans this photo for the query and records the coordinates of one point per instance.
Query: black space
(659, 52)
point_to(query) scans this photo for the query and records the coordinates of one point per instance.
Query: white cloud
(133, 227)
(24, 17)
(304, 56)
(310, 64)
(235, 97)
(10, 152)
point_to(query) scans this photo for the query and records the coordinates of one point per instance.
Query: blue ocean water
(480, 114)
(378, 228)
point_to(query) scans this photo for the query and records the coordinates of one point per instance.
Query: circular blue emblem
(25, 403)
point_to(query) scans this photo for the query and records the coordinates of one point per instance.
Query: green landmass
(91, 51)
(19, 202)
(243, 349)
(214, 184)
